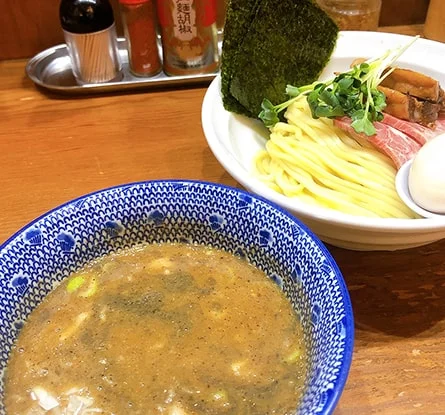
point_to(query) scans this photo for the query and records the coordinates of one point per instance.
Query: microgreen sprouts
(353, 93)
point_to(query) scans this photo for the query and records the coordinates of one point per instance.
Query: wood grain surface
(54, 148)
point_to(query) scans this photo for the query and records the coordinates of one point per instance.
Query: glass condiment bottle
(189, 36)
(139, 21)
(90, 35)
(353, 14)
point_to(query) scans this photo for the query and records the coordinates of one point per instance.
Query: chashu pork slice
(414, 83)
(442, 100)
(418, 132)
(395, 144)
(440, 123)
(409, 108)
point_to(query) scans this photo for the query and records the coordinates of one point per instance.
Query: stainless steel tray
(51, 69)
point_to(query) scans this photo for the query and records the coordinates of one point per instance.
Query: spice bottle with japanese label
(139, 21)
(90, 35)
(189, 36)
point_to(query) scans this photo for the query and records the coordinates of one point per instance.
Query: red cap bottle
(139, 20)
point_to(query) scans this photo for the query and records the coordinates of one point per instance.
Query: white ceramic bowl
(235, 140)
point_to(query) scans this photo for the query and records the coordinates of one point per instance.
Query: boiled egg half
(426, 179)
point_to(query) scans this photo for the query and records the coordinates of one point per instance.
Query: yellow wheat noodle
(314, 161)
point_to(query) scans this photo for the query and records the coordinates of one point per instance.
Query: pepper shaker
(189, 36)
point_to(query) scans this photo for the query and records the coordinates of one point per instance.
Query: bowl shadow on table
(397, 293)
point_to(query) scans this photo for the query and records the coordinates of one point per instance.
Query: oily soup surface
(160, 329)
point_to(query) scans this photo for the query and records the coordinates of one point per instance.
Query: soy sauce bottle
(90, 35)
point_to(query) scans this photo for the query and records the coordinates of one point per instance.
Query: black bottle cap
(85, 16)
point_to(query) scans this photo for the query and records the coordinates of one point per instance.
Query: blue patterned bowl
(53, 246)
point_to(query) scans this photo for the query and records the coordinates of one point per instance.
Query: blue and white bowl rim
(333, 399)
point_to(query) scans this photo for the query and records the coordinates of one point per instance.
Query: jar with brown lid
(353, 14)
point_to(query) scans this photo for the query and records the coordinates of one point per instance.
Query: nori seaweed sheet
(239, 16)
(269, 44)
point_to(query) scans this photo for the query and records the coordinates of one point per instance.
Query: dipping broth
(160, 329)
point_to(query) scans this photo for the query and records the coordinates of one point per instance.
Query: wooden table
(53, 149)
